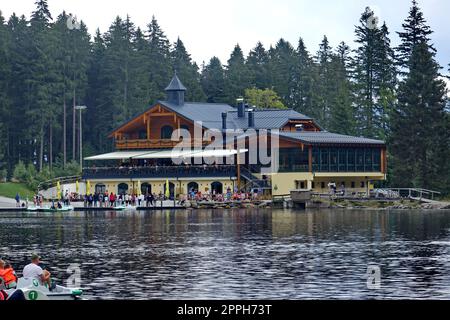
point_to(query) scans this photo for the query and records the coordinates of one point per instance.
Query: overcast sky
(212, 27)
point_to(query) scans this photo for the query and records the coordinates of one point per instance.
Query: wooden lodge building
(308, 156)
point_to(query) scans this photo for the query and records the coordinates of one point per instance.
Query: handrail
(52, 182)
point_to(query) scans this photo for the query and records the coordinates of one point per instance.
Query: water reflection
(236, 254)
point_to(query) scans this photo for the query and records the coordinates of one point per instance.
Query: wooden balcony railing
(153, 143)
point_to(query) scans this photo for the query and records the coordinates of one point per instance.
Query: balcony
(153, 143)
(220, 171)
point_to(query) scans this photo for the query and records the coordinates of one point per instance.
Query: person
(53, 205)
(17, 200)
(33, 270)
(8, 274)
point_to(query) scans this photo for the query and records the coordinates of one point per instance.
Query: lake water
(239, 254)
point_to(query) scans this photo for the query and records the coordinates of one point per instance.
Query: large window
(166, 132)
(293, 160)
(346, 159)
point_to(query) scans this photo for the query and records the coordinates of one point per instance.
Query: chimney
(224, 120)
(251, 118)
(241, 108)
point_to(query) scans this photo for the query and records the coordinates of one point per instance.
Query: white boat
(49, 209)
(32, 289)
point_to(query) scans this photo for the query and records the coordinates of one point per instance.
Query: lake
(239, 254)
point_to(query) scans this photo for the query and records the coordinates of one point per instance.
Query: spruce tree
(323, 86)
(281, 68)
(257, 64)
(213, 81)
(415, 31)
(420, 138)
(302, 94)
(342, 116)
(237, 76)
(187, 72)
(374, 77)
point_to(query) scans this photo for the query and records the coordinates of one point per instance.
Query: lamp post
(81, 108)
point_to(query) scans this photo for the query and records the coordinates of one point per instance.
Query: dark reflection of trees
(165, 251)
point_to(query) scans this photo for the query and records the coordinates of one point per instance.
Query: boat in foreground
(32, 289)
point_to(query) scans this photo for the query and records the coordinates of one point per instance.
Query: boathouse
(146, 152)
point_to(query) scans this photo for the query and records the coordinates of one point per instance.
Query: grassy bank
(10, 189)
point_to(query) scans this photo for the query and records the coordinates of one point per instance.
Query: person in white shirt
(33, 270)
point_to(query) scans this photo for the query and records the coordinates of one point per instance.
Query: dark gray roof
(175, 85)
(264, 119)
(324, 137)
(210, 114)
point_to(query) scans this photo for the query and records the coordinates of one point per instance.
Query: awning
(166, 154)
(117, 155)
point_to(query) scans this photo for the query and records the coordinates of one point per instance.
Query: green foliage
(46, 69)
(20, 172)
(266, 98)
(10, 189)
(420, 136)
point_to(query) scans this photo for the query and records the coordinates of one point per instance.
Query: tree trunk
(73, 129)
(50, 147)
(41, 148)
(64, 133)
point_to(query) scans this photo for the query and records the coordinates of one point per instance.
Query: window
(353, 184)
(122, 188)
(166, 132)
(313, 184)
(293, 160)
(146, 188)
(216, 187)
(143, 134)
(324, 160)
(100, 188)
(192, 187)
(322, 185)
(351, 154)
(362, 184)
(360, 160)
(377, 160)
(302, 185)
(368, 160)
(342, 160)
(333, 160)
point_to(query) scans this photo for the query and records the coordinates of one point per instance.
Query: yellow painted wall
(283, 183)
(158, 186)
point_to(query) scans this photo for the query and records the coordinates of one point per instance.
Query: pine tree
(187, 71)
(302, 95)
(5, 74)
(213, 81)
(237, 76)
(374, 77)
(281, 70)
(42, 76)
(159, 57)
(257, 64)
(420, 137)
(342, 117)
(415, 31)
(323, 86)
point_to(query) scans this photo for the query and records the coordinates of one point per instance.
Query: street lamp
(81, 108)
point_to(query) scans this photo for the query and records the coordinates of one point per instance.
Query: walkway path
(7, 202)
